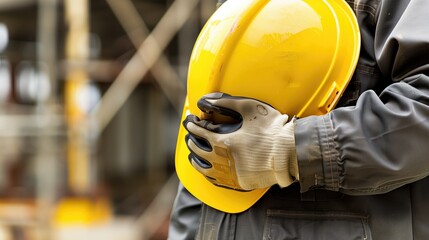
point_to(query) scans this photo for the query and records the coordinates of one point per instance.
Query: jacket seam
(373, 10)
(329, 153)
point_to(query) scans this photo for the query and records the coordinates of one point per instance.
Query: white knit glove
(255, 148)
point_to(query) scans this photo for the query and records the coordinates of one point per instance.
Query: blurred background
(91, 93)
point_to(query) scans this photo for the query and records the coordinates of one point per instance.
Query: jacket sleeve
(382, 142)
(185, 216)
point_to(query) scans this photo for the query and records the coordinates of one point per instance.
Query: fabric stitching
(363, 7)
(325, 152)
(370, 7)
(337, 185)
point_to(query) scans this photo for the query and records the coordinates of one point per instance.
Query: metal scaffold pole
(47, 154)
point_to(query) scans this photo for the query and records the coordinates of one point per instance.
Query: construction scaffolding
(91, 95)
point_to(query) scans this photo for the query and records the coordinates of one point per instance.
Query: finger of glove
(196, 143)
(203, 154)
(193, 156)
(197, 129)
(235, 106)
(221, 120)
(202, 141)
(204, 130)
(208, 107)
(205, 124)
(198, 163)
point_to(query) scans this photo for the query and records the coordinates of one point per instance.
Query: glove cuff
(286, 165)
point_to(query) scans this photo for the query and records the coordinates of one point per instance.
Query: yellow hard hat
(296, 55)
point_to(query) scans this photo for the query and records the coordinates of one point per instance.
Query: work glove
(252, 146)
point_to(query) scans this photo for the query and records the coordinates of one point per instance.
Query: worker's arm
(382, 143)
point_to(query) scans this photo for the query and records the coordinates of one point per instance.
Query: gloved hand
(254, 150)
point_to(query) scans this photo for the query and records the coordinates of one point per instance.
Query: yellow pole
(77, 50)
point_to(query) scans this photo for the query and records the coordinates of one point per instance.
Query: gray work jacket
(364, 166)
